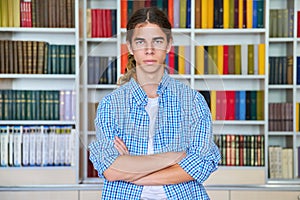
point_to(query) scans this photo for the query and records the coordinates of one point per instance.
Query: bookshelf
(41, 164)
(189, 38)
(108, 49)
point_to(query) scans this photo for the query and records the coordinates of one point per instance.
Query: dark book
(56, 105)
(62, 59)
(206, 95)
(73, 59)
(260, 13)
(15, 58)
(91, 69)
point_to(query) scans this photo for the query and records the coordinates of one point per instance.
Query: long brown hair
(144, 15)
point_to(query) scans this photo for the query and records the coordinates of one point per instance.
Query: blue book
(298, 70)
(242, 105)
(188, 14)
(254, 19)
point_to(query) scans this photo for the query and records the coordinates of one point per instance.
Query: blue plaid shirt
(183, 124)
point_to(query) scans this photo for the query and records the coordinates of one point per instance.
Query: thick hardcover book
(199, 60)
(230, 106)
(237, 59)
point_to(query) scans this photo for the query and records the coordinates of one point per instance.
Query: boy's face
(149, 46)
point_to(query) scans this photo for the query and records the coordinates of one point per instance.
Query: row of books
(280, 117)
(281, 162)
(281, 70)
(229, 14)
(241, 150)
(235, 105)
(230, 59)
(101, 23)
(36, 57)
(178, 11)
(281, 22)
(37, 105)
(22, 146)
(37, 13)
(102, 70)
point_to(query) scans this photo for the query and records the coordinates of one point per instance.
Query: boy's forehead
(148, 32)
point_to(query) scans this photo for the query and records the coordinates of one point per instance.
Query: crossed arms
(157, 169)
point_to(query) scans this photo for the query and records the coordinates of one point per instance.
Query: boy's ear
(129, 47)
(168, 49)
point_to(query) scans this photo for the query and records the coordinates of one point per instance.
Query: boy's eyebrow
(155, 38)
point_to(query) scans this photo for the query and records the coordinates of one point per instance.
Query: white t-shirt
(152, 192)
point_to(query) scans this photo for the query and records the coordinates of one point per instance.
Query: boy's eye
(158, 41)
(139, 42)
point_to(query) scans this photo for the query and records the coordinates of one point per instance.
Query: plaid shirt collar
(139, 94)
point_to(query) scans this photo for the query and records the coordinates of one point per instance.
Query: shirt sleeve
(102, 151)
(203, 155)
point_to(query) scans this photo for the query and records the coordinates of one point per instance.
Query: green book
(260, 13)
(237, 60)
(42, 105)
(23, 107)
(68, 59)
(29, 105)
(73, 59)
(54, 59)
(56, 105)
(250, 59)
(231, 13)
(62, 59)
(33, 105)
(182, 13)
(260, 105)
(37, 105)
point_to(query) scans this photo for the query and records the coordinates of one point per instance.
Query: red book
(29, 19)
(22, 13)
(221, 103)
(171, 60)
(147, 3)
(241, 149)
(123, 13)
(298, 27)
(225, 61)
(171, 11)
(230, 108)
(108, 23)
(102, 21)
(94, 23)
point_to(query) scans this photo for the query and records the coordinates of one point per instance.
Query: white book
(25, 148)
(73, 111)
(32, 146)
(4, 146)
(39, 144)
(244, 59)
(17, 145)
(72, 147)
(61, 142)
(45, 145)
(51, 146)
(68, 146)
(62, 105)
(10, 146)
(57, 146)
(68, 105)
